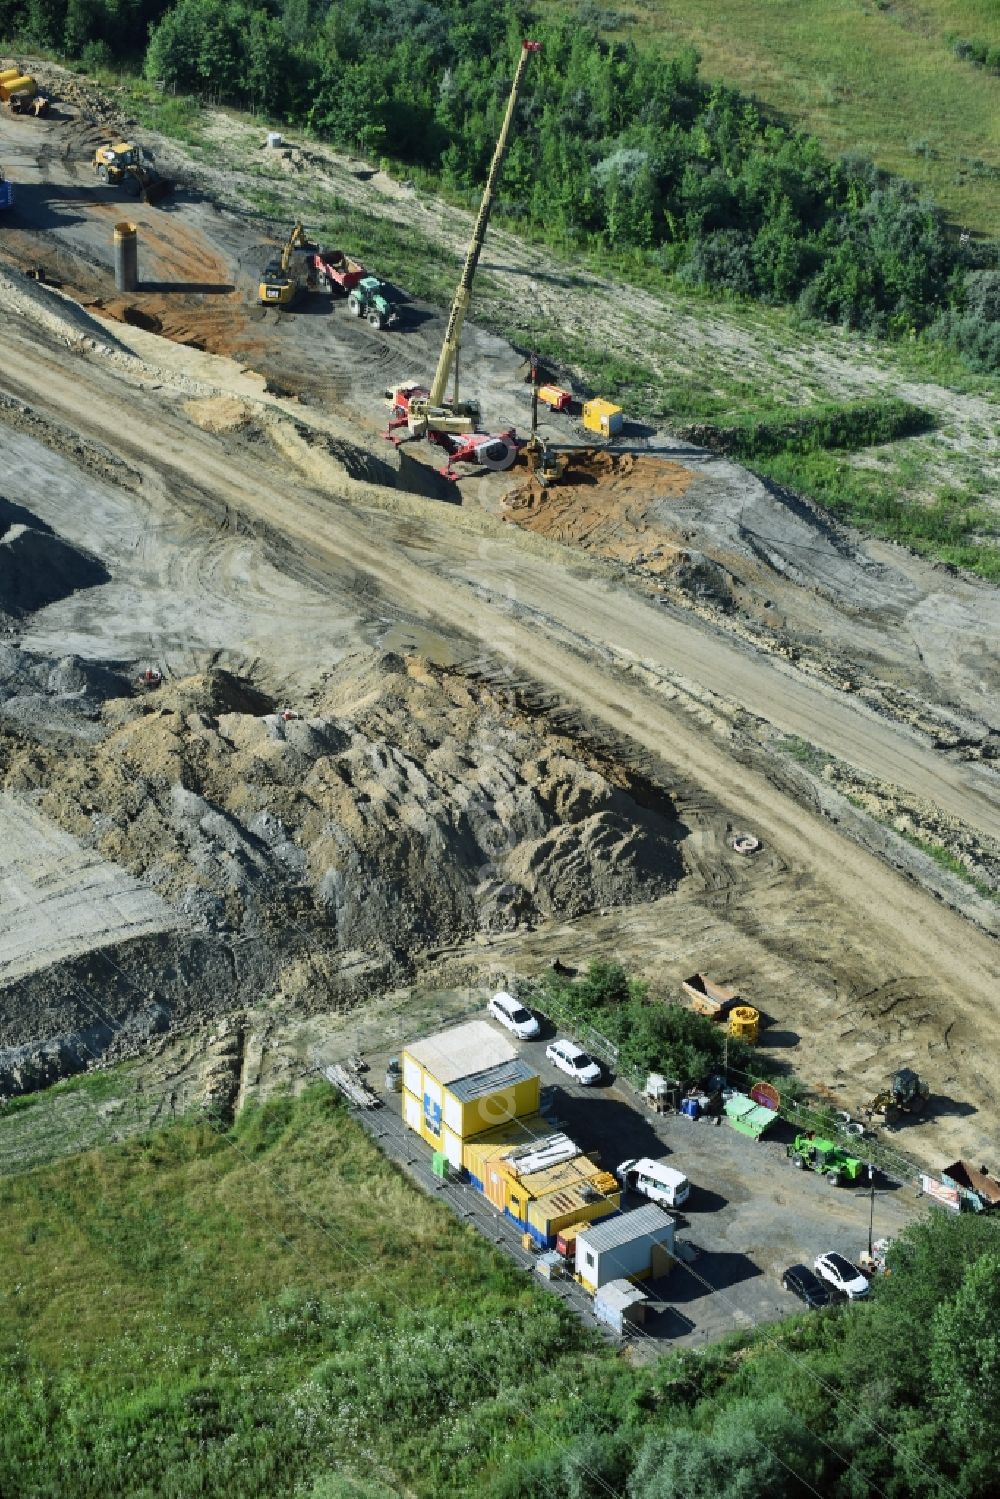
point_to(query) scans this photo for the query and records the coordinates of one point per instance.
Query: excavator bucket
(157, 188)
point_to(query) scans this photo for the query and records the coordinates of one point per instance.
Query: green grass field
(275, 1310)
(878, 76)
(193, 1312)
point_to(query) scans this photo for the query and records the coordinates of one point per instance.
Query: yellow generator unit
(744, 1023)
(20, 83)
(603, 417)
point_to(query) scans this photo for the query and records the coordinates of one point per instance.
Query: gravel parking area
(749, 1216)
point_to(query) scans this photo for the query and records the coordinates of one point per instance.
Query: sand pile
(406, 808)
(604, 502)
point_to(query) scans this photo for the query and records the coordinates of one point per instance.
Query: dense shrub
(616, 147)
(974, 330)
(848, 427)
(983, 54)
(651, 1035)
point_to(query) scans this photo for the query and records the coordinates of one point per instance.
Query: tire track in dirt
(572, 633)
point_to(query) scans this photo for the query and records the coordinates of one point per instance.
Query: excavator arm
(463, 295)
(296, 238)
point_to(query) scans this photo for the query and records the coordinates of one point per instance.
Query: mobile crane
(452, 424)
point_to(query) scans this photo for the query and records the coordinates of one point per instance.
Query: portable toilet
(620, 1305)
(603, 417)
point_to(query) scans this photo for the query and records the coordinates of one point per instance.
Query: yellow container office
(462, 1083)
(587, 1200)
(485, 1156)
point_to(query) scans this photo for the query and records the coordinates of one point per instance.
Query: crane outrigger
(452, 424)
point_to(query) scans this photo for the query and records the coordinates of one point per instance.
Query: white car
(842, 1275)
(511, 1013)
(574, 1060)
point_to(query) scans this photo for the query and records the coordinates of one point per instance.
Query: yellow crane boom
(463, 295)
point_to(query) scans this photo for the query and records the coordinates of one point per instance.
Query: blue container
(691, 1107)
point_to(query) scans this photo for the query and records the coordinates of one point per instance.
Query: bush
(974, 329)
(650, 1035)
(96, 56)
(849, 427)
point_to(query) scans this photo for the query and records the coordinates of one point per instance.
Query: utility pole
(871, 1210)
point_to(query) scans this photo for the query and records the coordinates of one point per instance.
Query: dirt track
(241, 531)
(483, 586)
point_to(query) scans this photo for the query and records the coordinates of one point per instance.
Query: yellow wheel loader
(122, 165)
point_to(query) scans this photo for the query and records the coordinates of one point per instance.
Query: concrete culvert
(126, 257)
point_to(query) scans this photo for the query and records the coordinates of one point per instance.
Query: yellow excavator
(452, 424)
(284, 278)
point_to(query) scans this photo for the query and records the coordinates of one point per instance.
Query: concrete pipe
(126, 257)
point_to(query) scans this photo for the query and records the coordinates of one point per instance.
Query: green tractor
(830, 1160)
(370, 299)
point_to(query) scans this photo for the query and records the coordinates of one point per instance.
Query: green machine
(370, 299)
(811, 1154)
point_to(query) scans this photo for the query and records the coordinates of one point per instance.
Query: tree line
(617, 148)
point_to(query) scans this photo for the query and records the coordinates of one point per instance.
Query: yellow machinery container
(603, 417)
(539, 1178)
(744, 1023)
(24, 84)
(8, 73)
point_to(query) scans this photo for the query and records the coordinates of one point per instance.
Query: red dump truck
(339, 271)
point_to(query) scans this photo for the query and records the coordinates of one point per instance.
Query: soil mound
(51, 701)
(37, 568)
(605, 502)
(408, 808)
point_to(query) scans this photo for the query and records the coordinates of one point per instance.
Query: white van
(652, 1179)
